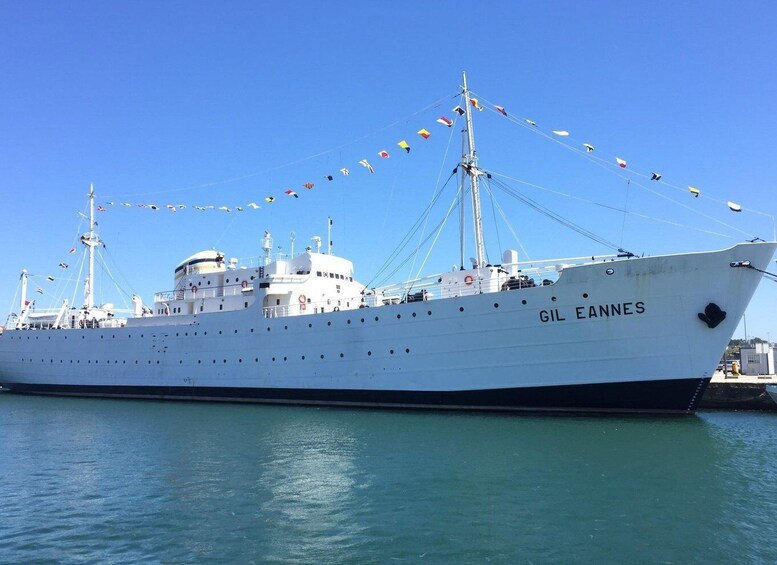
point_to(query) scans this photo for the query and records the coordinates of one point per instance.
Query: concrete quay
(739, 392)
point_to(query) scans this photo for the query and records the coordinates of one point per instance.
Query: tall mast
(90, 243)
(470, 165)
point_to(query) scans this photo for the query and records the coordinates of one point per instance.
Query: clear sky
(226, 103)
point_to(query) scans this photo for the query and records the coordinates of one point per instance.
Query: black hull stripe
(680, 396)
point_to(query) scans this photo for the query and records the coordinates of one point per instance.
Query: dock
(738, 392)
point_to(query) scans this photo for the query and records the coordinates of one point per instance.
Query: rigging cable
(291, 163)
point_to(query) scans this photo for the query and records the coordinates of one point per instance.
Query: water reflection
(145, 481)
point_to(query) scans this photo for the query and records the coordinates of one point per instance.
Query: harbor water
(118, 481)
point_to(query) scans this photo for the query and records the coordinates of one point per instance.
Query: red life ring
(302, 299)
(244, 284)
(468, 280)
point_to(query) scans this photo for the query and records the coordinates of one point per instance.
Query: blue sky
(208, 103)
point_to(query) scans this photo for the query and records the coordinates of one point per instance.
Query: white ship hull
(629, 341)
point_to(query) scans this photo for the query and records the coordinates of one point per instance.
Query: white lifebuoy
(468, 280)
(244, 284)
(302, 299)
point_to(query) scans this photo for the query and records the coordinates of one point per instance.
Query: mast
(90, 241)
(470, 165)
(23, 300)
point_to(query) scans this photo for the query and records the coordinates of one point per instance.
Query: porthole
(391, 351)
(429, 313)
(322, 356)
(376, 318)
(369, 353)
(610, 271)
(329, 323)
(461, 308)
(413, 314)
(362, 320)
(496, 305)
(349, 322)
(407, 350)
(552, 298)
(235, 331)
(523, 302)
(341, 355)
(585, 295)
(310, 325)
(303, 357)
(399, 316)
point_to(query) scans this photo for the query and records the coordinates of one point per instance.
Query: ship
(601, 334)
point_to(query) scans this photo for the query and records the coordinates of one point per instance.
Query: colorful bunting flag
(329, 177)
(63, 265)
(367, 165)
(403, 144)
(476, 104)
(384, 154)
(52, 278)
(655, 176)
(621, 162)
(127, 204)
(290, 192)
(345, 171)
(224, 209)
(39, 290)
(253, 205)
(270, 199)
(239, 209)
(308, 185)
(531, 123)
(561, 132)
(459, 110)
(588, 148)
(501, 110)
(171, 207)
(734, 206)
(100, 209)
(444, 121)
(423, 133)
(72, 250)
(152, 206)
(695, 191)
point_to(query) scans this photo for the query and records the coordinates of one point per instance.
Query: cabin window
(318, 273)
(277, 301)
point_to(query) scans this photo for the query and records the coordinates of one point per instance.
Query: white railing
(203, 292)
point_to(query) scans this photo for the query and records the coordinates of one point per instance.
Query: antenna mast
(470, 165)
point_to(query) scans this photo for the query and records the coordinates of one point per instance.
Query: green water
(124, 481)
